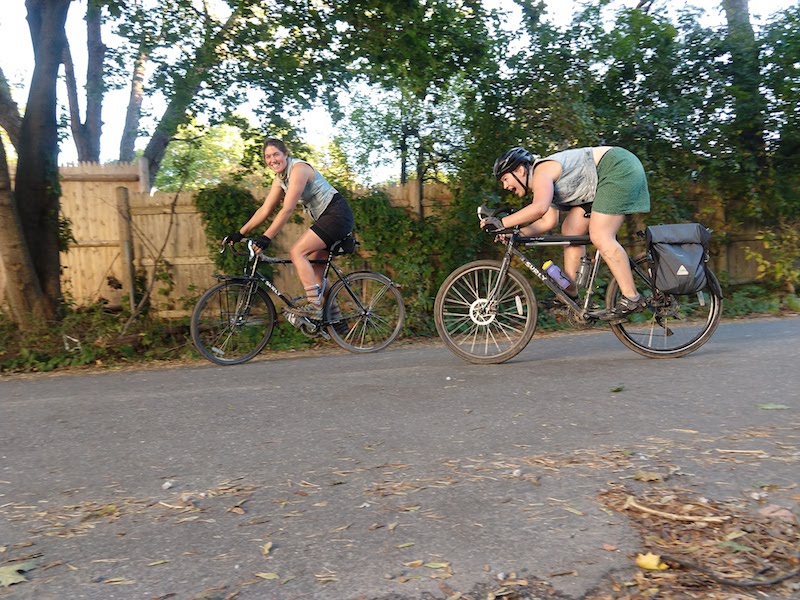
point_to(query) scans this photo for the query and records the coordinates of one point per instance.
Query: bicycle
(233, 321)
(486, 311)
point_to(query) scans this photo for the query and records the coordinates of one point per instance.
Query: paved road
(333, 475)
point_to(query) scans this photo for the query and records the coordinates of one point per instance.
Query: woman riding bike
(603, 183)
(297, 181)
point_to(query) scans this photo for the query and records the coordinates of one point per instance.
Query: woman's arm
(264, 211)
(542, 225)
(543, 187)
(301, 175)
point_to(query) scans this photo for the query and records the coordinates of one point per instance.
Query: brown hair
(274, 142)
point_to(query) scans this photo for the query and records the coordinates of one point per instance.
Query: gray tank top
(317, 194)
(578, 182)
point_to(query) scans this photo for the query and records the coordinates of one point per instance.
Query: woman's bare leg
(603, 233)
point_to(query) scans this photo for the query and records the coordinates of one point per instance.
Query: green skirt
(622, 184)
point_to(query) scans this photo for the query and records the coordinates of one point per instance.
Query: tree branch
(10, 119)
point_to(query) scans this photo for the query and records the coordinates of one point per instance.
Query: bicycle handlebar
(250, 247)
(484, 212)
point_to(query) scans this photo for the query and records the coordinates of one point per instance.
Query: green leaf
(770, 406)
(11, 574)
(731, 545)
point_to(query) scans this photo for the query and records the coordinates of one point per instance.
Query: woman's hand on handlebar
(233, 238)
(490, 224)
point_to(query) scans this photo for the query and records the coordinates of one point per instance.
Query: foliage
(89, 336)
(417, 253)
(212, 155)
(224, 208)
(750, 299)
(780, 260)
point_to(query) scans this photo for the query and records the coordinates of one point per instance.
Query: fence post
(126, 244)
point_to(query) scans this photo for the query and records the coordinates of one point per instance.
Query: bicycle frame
(515, 241)
(253, 274)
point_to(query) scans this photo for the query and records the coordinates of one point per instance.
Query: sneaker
(309, 311)
(626, 306)
(336, 321)
(341, 328)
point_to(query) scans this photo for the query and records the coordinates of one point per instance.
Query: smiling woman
(297, 181)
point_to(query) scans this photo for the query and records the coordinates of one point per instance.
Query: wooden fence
(120, 231)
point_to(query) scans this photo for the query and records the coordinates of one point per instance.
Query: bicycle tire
(471, 328)
(233, 322)
(672, 325)
(372, 312)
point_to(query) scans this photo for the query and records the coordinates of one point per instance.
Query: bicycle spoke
(232, 322)
(372, 311)
(671, 325)
(480, 321)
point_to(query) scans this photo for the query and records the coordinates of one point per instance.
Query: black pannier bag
(680, 253)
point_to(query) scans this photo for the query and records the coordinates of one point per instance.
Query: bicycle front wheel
(365, 312)
(671, 325)
(232, 322)
(482, 319)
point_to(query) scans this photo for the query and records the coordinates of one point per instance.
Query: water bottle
(552, 269)
(584, 272)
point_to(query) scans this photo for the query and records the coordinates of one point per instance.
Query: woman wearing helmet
(603, 183)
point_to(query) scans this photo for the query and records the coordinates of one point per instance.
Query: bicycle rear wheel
(371, 312)
(232, 322)
(671, 325)
(483, 322)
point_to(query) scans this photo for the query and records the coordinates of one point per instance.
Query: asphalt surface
(405, 474)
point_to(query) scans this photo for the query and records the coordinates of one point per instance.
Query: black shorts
(335, 222)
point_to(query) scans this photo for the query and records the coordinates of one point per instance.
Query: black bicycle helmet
(510, 160)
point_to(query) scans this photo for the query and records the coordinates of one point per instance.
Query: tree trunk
(746, 78)
(87, 134)
(420, 180)
(37, 189)
(95, 86)
(403, 157)
(22, 293)
(186, 87)
(10, 120)
(134, 114)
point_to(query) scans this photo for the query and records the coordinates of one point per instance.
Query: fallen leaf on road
(268, 576)
(266, 548)
(11, 574)
(119, 581)
(327, 577)
(574, 511)
(770, 406)
(650, 561)
(777, 512)
(648, 476)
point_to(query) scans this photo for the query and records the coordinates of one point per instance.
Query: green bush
(224, 208)
(749, 299)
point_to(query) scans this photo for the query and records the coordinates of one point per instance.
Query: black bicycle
(486, 311)
(233, 321)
